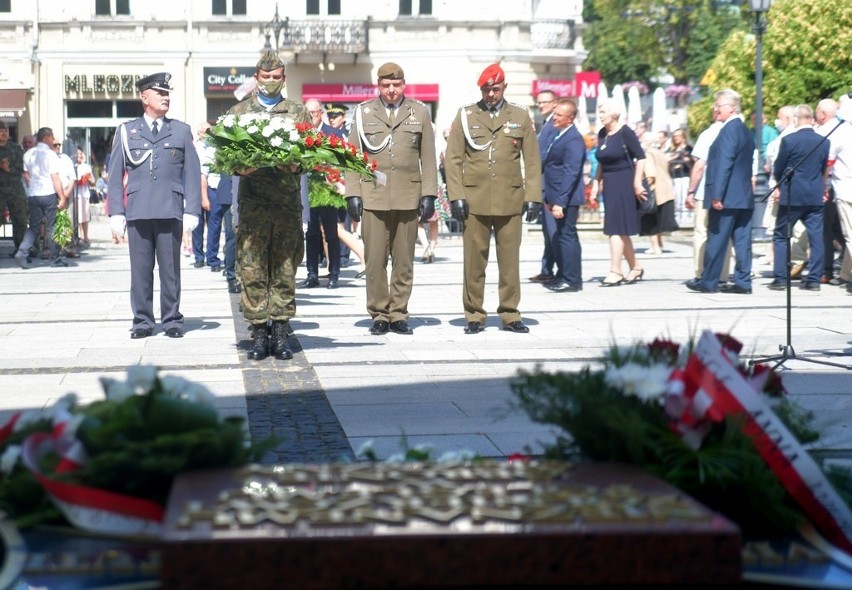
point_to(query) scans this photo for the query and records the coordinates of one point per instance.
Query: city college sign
(101, 84)
(225, 80)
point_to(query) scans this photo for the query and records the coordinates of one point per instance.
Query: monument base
(464, 525)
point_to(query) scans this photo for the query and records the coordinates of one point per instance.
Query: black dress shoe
(379, 327)
(198, 264)
(216, 268)
(735, 289)
(138, 333)
(516, 327)
(234, 287)
(541, 278)
(332, 283)
(809, 286)
(309, 283)
(695, 285)
(174, 333)
(776, 286)
(473, 328)
(562, 287)
(401, 327)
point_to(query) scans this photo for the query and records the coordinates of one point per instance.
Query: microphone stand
(787, 350)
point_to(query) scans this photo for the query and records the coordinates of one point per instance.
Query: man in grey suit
(154, 189)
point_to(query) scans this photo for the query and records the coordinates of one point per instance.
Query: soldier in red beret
(493, 168)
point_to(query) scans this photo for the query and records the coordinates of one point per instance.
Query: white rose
(252, 129)
(267, 131)
(229, 120)
(294, 136)
(276, 141)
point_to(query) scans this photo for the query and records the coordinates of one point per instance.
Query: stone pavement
(62, 328)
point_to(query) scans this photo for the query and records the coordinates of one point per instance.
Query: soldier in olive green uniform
(270, 241)
(397, 132)
(493, 168)
(12, 196)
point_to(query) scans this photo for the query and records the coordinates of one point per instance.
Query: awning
(13, 100)
(354, 93)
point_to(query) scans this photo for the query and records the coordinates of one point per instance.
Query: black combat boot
(259, 342)
(279, 340)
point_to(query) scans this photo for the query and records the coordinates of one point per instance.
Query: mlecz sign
(101, 83)
(225, 80)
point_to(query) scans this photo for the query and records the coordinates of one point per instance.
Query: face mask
(271, 88)
(778, 125)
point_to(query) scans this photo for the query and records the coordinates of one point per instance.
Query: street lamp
(759, 8)
(275, 28)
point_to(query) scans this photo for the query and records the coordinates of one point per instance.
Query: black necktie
(154, 128)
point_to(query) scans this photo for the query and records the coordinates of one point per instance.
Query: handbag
(649, 205)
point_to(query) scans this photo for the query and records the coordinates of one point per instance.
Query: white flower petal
(141, 378)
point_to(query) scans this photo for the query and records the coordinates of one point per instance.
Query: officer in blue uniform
(154, 189)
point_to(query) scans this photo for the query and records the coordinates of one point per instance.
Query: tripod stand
(787, 350)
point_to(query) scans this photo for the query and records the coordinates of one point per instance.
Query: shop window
(128, 109)
(406, 8)
(312, 7)
(220, 7)
(103, 109)
(5, 5)
(112, 7)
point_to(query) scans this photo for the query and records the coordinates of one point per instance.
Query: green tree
(805, 59)
(640, 39)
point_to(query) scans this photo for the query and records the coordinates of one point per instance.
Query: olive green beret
(269, 61)
(391, 71)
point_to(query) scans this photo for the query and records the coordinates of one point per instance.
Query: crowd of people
(498, 169)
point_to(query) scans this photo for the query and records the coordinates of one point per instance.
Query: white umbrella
(634, 106)
(602, 95)
(659, 114)
(582, 119)
(618, 98)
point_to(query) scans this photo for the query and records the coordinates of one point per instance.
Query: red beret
(493, 74)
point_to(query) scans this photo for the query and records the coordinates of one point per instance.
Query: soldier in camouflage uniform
(270, 241)
(12, 195)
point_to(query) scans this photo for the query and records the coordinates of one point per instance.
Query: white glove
(117, 224)
(190, 221)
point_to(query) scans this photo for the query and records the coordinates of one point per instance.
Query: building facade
(72, 65)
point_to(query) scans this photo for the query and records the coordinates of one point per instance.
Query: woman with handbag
(619, 180)
(662, 220)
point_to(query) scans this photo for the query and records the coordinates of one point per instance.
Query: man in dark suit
(545, 102)
(728, 199)
(493, 169)
(563, 193)
(803, 154)
(397, 131)
(154, 189)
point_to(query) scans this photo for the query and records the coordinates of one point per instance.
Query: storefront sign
(225, 80)
(350, 93)
(583, 84)
(110, 84)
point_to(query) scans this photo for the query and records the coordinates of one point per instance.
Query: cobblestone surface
(285, 400)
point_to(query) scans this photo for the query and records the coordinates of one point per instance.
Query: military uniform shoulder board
(515, 104)
(415, 101)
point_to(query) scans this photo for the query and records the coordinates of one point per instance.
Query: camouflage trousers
(16, 203)
(270, 247)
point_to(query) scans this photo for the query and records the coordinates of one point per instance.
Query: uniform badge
(133, 130)
(366, 109)
(513, 125)
(469, 112)
(145, 144)
(506, 130)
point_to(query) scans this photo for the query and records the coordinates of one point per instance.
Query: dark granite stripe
(284, 399)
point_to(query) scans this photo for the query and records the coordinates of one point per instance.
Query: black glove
(427, 208)
(459, 210)
(533, 211)
(355, 207)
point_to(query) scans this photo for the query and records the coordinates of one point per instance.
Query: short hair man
(397, 132)
(45, 195)
(801, 197)
(563, 194)
(154, 189)
(493, 169)
(270, 241)
(728, 199)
